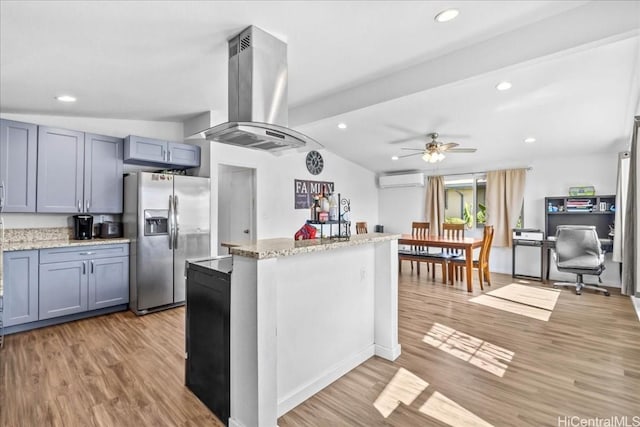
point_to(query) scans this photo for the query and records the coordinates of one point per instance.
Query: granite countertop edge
(262, 249)
(46, 244)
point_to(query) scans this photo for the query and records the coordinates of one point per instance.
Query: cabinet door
(20, 275)
(108, 282)
(60, 170)
(183, 154)
(63, 288)
(139, 149)
(103, 174)
(18, 155)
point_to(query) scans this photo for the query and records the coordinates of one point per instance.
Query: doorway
(236, 205)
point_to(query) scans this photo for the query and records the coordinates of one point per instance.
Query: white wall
(549, 177)
(275, 213)
(112, 127)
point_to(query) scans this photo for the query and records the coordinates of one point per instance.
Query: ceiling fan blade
(448, 146)
(413, 149)
(447, 135)
(409, 155)
(410, 138)
(462, 150)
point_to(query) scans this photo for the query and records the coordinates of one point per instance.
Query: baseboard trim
(636, 304)
(307, 390)
(235, 423)
(388, 353)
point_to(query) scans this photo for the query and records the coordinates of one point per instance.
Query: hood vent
(258, 88)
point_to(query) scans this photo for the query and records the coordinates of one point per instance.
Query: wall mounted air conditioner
(405, 180)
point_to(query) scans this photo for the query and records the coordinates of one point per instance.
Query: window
(465, 201)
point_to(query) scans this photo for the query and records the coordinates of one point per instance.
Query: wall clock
(315, 163)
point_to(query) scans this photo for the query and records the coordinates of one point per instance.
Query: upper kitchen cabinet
(18, 156)
(60, 170)
(103, 180)
(183, 154)
(139, 150)
(78, 172)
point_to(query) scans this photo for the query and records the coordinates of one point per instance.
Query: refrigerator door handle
(170, 219)
(175, 222)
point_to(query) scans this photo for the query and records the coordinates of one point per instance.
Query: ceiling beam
(594, 24)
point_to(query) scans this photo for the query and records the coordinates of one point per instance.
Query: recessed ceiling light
(342, 125)
(66, 98)
(394, 158)
(503, 86)
(529, 140)
(447, 15)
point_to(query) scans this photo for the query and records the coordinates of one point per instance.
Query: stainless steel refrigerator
(168, 221)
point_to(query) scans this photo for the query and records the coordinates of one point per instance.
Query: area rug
(534, 302)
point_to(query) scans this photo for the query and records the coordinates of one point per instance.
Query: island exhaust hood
(258, 111)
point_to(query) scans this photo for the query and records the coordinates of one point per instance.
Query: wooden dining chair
(419, 230)
(481, 263)
(449, 231)
(361, 228)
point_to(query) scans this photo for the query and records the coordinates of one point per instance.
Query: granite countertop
(276, 248)
(43, 244)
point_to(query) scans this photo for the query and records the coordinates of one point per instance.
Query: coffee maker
(82, 227)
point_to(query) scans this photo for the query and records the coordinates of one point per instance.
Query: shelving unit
(580, 210)
(344, 226)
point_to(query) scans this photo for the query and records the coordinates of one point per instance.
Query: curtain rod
(477, 173)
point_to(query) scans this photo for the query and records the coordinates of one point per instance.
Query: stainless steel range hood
(258, 111)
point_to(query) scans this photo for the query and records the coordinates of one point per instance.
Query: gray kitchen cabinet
(60, 170)
(20, 276)
(103, 179)
(18, 157)
(76, 279)
(108, 282)
(183, 154)
(63, 289)
(79, 172)
(141, 150)
(148, 151)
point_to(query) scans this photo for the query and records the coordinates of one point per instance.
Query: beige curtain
(434, 209)
(505, 194)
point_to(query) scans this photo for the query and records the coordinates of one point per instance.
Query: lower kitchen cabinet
(20, 299)
(63, 289)
(66, 281)
(108, 282)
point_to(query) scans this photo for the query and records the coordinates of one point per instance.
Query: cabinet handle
(79, 206)
(91, 267)
(87, 253)
(169, 155)
(84, 267)
(164, 154)
(87, 205)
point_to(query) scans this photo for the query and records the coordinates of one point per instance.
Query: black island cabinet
(207, 368)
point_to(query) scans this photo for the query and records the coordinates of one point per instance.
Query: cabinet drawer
(79, 253)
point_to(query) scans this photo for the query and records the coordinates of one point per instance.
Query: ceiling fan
(434, 150)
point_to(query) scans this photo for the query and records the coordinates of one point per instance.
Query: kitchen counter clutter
(281, 247)
(301, 315)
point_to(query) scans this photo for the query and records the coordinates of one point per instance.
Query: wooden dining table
(467, 244)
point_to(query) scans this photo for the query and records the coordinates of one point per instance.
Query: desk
(468, 244)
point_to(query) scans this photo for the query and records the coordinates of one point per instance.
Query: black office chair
(578, 251)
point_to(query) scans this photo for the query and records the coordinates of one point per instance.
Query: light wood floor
(123, 370)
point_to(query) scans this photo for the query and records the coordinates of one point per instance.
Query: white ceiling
(384, 68)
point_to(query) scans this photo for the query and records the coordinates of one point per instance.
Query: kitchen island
(304, 313)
